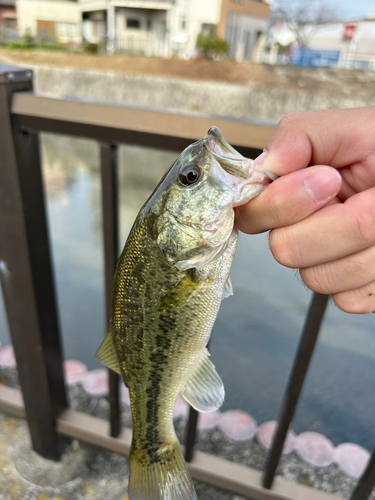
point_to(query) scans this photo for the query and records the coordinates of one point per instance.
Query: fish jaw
(241, 175)
(216, 143)
(233, 180)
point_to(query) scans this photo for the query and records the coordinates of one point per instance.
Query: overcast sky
(346, 9)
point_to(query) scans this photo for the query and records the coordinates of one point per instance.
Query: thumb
(289, 199)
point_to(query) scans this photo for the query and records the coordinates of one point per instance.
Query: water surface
(256, 333)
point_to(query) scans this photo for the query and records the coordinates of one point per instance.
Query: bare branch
(304, 18)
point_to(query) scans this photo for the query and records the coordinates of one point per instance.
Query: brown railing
(28, 284)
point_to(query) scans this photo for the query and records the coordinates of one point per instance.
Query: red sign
(349, 31)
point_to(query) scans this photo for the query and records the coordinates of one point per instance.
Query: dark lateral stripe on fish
(167, 323)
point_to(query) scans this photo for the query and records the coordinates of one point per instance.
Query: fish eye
(189, 175)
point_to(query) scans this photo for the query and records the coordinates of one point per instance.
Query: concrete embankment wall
(187, 95)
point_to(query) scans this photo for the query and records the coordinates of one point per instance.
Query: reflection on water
(257, 330)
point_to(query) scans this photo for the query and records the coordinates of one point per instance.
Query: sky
(346, 9)
(357, 8)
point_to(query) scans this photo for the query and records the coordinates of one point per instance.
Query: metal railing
(28, 284)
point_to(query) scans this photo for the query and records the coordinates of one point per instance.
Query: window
(133, 23)
(10, 23)
(208, 28)
(67, 30)
(46, 30)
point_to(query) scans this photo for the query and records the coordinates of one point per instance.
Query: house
(128, 25)
(165, 27)
(50, 20)
(243, 23)
(8, 18)
(349, 44)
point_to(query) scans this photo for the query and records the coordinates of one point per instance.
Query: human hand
(320, 224)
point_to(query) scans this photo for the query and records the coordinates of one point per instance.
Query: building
(8, 18)
(165, 27)
(50, 20)
(128, 25)
(244, 24)
(355, 42)
(348, 44)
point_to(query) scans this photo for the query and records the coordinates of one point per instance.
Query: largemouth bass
(167, 289)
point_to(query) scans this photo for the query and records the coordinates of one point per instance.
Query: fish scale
(158, 337)
(167, 291)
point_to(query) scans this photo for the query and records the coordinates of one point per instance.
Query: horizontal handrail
(109, 124)
(204, 467)
(144, 126)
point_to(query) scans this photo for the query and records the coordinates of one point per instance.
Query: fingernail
(323, 184)
(260, 159)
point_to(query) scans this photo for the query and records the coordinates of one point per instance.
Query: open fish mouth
(233, 162)
(217, 145)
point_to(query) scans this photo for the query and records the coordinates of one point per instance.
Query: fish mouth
(217, 145)
(233, 162)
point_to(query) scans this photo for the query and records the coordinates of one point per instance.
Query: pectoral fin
(106, 353)
(228, 289)
(180, 293)
(204, 389)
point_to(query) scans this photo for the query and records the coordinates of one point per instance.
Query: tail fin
(167, 479)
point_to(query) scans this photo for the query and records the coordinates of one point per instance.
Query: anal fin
(204, 389)
(106, 353)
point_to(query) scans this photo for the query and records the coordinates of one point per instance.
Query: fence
(53, 37)
(59, 38)
(28, 288)
(147, 45)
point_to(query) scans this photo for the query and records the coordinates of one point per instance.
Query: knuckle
(316, 279)
(283, 252)
(355, 268)
(290, 119)
(364, 221)
(243, 221)
(276, 207)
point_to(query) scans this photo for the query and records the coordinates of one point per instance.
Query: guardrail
(28, 284)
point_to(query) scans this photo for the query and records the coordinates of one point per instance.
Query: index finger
(328, 137)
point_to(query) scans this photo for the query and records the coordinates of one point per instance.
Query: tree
(304, 17)
(210, 46)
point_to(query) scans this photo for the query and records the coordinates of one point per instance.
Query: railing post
(297, 377)
(191, 434)
(108, 166)
(192, 427)
(366, 482)
(26, 272)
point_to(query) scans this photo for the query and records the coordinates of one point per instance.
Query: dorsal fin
(204, 389)
(106, 353)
